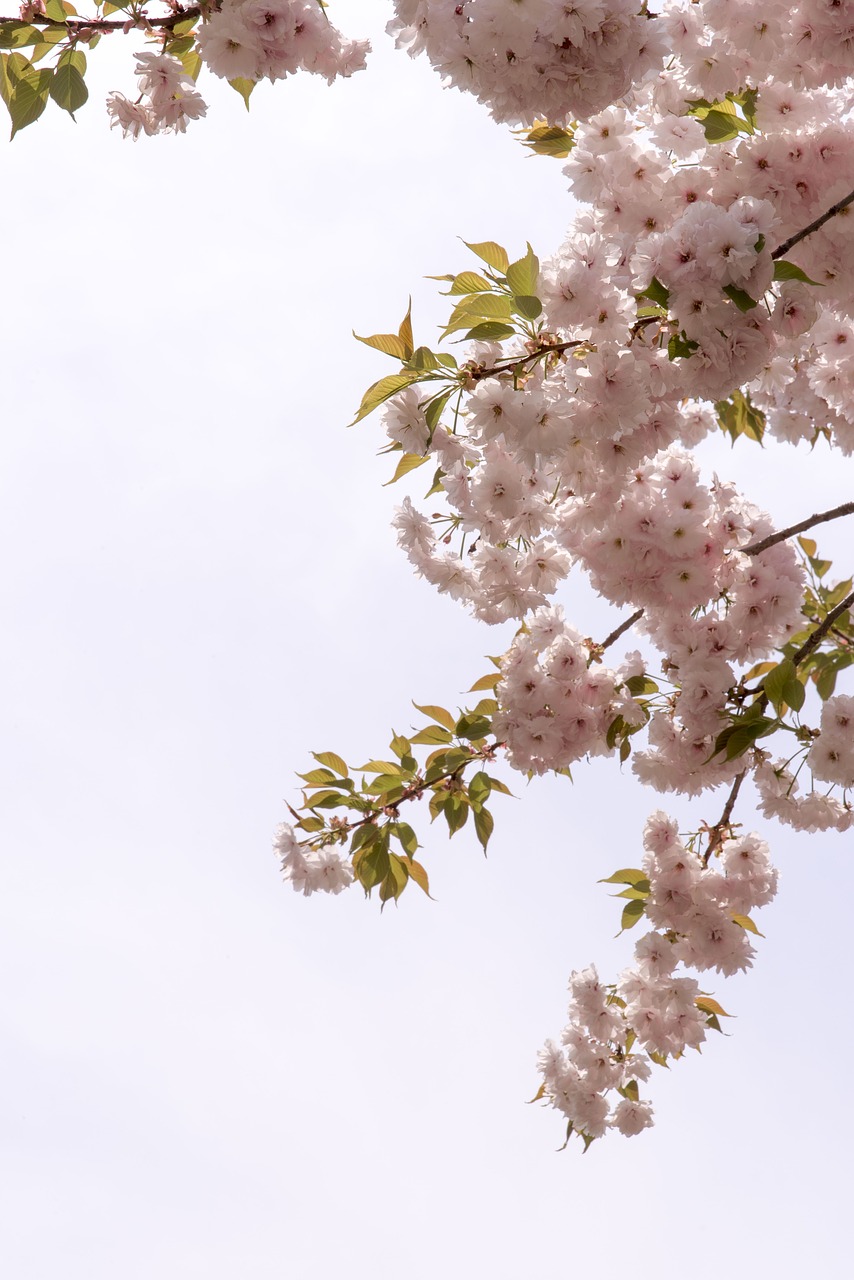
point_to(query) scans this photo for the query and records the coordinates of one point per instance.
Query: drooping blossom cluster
(701, 916)
(532, 58)
(167, 99)
(271, 39)
(320, 869)
(238, 40)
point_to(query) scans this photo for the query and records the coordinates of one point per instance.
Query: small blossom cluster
(696, 911)
(533, 57)
(311, 870)
(168, 99)
(554, 707)
(271, 39)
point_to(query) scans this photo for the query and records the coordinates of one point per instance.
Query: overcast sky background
(205, 1076)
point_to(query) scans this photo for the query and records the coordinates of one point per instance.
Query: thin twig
(813, 641)
(620, 630)
(716, 833)
(783, 249)
(507, 366)
(755, 548)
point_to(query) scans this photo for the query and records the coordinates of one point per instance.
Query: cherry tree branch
(784, 248)
(755, 548)
(813, 641)
(76, 25)
(620, 630)
(716, 833)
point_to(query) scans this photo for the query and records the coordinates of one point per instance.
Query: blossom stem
(755, 548)
(716, 833)
(813, 641)
(783, 249)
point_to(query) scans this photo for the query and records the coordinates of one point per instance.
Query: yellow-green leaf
(439, 714)
(492, 254)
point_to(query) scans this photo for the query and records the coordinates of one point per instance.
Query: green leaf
(389, 343)
(720, 125)
(418, 874)
(435, 408)
(408, 462)
(406, 836)
(776, 681)
(332, 761)
(638, 685)
(318, 777)
(480, 788)
(432, 735)
(784, 270)
(380, 766)
(424, 360)
(657, 292)
(405, 331)
(456, 812)
(707, 1005)
(738, 416)
(181, 28)
(550, 140)
(473, 728)
(395, 880)
(244, 88)
(742, 300)
(439, 714)
(522, 276)
(679, 347)
(629, 875)
(491, 253)
(486, 682)
(747, 923)
(490, 331)
(483, 825)
(29, 96)
(400, 746)
(373, 867)
(469, 282)
(382, 390)
(15, 35)
(67, 88)
(527, 306)
(190, 61)
(632, 913)
(809, 546)
(56, 10)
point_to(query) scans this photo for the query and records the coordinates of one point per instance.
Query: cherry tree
(704, 285)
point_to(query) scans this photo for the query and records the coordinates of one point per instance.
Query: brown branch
(755, 548)
(716, 833)
(477, 374)
(783, 249)
(813, 641)
(620, 630)
(76, 25)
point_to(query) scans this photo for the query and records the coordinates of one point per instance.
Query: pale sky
(207, 1077)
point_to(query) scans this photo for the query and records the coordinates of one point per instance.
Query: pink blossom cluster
(167, 101)
(313, 870)
(554, 707)
(698, 912)
(272, 39)
(533, 58)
